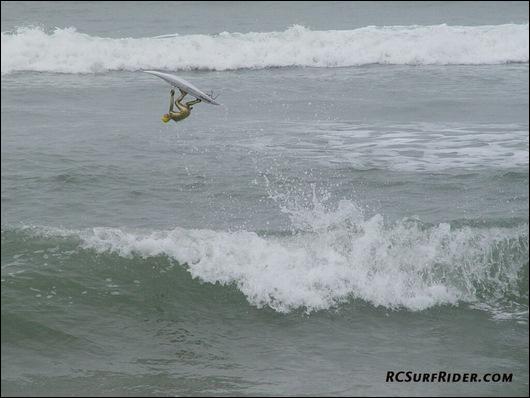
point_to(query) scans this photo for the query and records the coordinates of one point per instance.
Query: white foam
(335, 256)
(403, 147)
(69, 51)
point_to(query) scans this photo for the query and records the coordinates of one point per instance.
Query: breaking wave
(69, 51)
(334, 256)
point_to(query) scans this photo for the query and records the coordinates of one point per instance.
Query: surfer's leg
(182, 95)
(178, 103)
(180, 106)
(193, 102)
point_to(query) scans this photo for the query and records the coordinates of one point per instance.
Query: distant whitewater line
(68, 51)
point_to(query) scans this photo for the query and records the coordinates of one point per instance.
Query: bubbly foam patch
(402, 147)
(69, 51)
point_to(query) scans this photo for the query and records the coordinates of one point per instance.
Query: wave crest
(69, 51)
(407, 264)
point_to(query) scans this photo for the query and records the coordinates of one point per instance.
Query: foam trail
(69, 51)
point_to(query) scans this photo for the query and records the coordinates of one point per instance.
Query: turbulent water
(68, 51)
(358, 204)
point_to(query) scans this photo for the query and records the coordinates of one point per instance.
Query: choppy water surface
(358, 204)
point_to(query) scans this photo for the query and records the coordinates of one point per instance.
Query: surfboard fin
(212, 95)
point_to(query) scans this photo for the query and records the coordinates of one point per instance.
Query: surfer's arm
(171, 101)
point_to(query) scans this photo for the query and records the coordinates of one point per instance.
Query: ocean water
(357, 205)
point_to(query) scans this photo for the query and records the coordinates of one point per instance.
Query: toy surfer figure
(184, 109)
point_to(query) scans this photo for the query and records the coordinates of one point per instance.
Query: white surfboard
(184, 85)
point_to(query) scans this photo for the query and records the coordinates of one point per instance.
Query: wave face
(69, 51)
(335, 256)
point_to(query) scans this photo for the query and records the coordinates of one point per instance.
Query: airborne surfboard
(184, 85)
